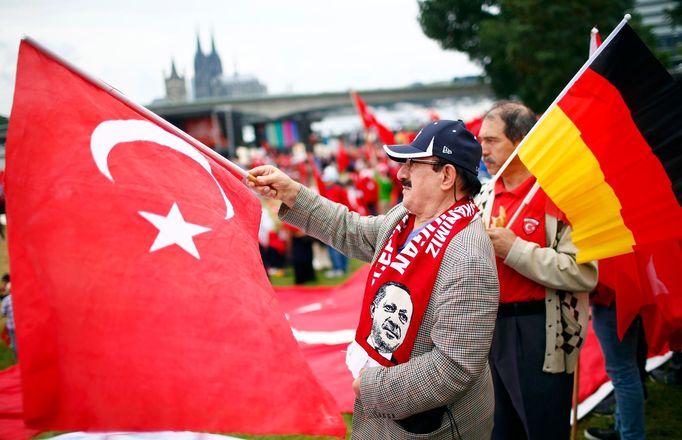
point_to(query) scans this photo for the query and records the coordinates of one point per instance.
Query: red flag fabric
(474, 125)
(342, 159)
(140, 299)
(370, 121)
(11, 422)
(321, 189)
(4, 337)
(433, 115)
(647, 283)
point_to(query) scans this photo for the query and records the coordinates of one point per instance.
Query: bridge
(273, 107)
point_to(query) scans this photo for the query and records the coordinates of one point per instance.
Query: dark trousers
(529, 404)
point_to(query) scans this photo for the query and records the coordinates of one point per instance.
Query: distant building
(668, 38)
(209, 81)
(176, 89)
(242, 85)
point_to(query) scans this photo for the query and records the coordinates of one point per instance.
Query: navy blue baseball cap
(449, 140)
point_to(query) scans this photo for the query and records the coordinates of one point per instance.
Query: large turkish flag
(141, 302)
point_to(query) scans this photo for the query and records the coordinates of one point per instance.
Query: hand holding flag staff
(129, 318)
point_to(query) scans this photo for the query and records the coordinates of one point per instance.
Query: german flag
(608, 152)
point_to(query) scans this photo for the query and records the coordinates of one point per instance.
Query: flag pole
(526, 201)
(140, 109)
(585, 66)
(574, 412)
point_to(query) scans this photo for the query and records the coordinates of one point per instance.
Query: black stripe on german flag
(652, 95)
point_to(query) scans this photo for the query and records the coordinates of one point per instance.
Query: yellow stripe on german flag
(576, 184)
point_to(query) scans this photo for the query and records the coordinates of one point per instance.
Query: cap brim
(400, 153)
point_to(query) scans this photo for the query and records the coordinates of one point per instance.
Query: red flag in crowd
(370, 121)
(647, 283)
(4, 337)
(141, 302)
(474, 125)
(342, 159)
(321, 189)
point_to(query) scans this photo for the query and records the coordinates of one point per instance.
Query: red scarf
(406, 279)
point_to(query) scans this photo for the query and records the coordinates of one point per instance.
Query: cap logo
(446, 150)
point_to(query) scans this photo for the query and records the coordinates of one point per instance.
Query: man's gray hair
(518, 119)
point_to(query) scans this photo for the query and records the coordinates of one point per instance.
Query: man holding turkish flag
(141, 302)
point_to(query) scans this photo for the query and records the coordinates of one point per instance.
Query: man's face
(391, 319)
(420, 183)
(496, 146)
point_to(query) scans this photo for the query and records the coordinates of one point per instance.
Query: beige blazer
(449, 361)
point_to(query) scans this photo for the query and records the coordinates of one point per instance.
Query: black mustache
(406, 183)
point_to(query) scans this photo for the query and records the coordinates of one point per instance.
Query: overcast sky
(296, 46)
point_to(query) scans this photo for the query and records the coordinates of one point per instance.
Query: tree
(675, 18)
(675, 14)
(530, 49)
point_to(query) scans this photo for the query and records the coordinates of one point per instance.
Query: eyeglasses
(409, 162)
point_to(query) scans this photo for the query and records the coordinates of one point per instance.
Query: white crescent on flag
(108, 134)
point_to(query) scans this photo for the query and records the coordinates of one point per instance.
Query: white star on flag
(173, 229)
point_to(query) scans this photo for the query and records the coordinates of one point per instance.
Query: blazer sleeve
(333, 224)
(553, 267)
(464, 301)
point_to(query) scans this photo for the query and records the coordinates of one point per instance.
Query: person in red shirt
(542, 318)
(369, 189)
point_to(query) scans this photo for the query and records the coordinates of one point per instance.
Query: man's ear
(449, 177)
(372, 307)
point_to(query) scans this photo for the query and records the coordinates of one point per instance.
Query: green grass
(663, 417)
(288, 278)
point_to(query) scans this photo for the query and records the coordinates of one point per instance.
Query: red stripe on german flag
(608, 154)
